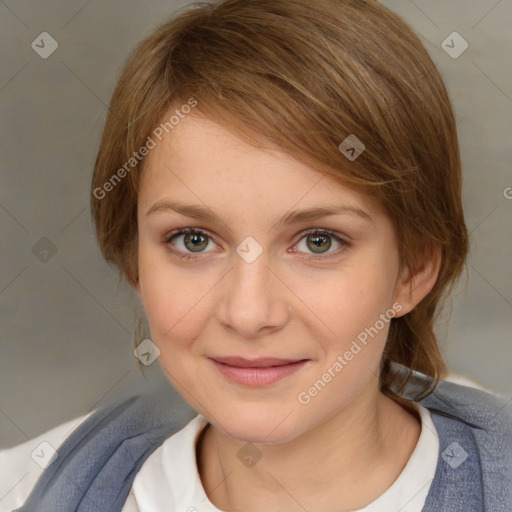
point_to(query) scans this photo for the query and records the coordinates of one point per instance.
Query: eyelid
(190, 229)
(342, 239)
(300, 236)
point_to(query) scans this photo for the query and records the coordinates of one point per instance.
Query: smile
(258, 376)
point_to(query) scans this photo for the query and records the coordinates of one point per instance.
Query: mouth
(260, 362)
(257, 372)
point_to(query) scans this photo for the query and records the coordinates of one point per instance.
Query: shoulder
(477, 408)
(23, 464)
(475, 445)
(108, 449)
(473, 413)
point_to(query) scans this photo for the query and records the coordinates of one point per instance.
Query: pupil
(198, 242)
(317, 241)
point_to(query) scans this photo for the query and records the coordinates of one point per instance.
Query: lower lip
(258, 376)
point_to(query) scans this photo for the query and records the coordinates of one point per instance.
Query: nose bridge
(250, 275)
(251, 299)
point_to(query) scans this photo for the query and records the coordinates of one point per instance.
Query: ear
(413, 286)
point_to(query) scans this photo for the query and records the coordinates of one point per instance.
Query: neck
(343, 464)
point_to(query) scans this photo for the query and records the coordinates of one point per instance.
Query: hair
(302, 76)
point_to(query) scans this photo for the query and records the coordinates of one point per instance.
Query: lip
(261, 362)
(257, 372)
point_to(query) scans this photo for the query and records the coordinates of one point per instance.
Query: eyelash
(315, 231)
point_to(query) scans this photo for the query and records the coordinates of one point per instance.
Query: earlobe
(413, 286)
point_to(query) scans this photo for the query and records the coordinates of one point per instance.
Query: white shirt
(169, 480)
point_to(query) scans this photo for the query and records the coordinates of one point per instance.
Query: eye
(319, 241)
(194, 240)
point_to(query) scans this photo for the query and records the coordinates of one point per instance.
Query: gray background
(67, 324)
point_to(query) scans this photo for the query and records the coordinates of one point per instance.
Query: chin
(270, 428)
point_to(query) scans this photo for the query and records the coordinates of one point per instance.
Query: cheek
(355, 311)
(172, 301)
(351, 300)
(357, 308)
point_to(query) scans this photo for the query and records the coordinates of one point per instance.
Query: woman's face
(256, 283)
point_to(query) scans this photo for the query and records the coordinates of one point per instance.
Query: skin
(349, 443)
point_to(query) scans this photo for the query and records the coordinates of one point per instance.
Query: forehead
(200, 161)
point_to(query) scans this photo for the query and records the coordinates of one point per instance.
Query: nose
(253, 297)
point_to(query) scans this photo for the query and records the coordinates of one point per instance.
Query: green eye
(195, 240)
(319, 241)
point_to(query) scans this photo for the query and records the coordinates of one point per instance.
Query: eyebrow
(292, 217)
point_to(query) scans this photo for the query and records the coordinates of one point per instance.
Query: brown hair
(303, 76)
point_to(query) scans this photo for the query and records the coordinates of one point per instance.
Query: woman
(280, 183)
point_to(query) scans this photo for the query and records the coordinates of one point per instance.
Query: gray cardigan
(98, 462)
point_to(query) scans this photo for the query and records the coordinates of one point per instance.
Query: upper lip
(262, 362)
